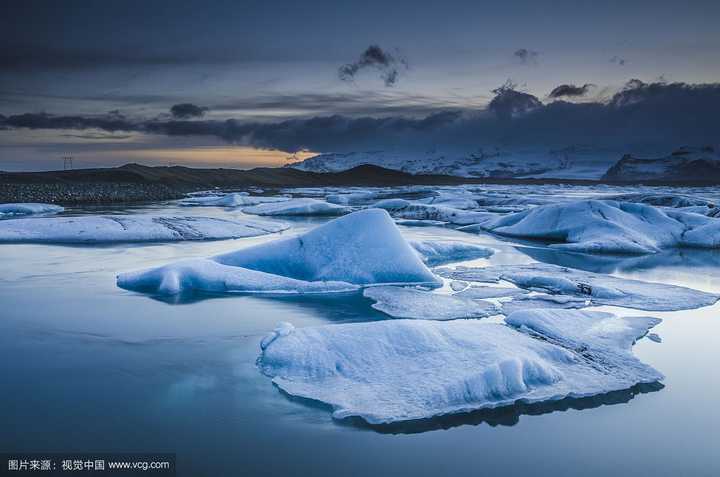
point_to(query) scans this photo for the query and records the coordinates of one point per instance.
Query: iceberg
(599, 289)
(437, 252)
(304, 206)
(131, 228)
(415, 304)
(401, 370)
(28, 208)
(209, 276)
(359, 249)
(606, 226)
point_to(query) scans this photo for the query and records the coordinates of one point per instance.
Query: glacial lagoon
(92, 367)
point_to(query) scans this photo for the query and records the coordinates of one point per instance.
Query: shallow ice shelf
(131, 228)
(28, 208)
(401, 302)
(401, 370)
(303, 206)
(606, 227)
(599, 289)
(363, 248)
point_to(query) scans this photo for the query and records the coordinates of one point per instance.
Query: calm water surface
(88, 367)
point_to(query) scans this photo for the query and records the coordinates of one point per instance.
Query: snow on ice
(436, 252)
(28, 208)
(400, 302)
(399, 370)
(599, 289)
(130, 228)
(606, 227)
(359, 249)
(304, 206)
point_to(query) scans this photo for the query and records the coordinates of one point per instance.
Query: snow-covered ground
(573, 162)
(567, 163)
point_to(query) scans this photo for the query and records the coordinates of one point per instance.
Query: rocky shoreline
(92, 193)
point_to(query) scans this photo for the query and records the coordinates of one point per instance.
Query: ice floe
(606, 227)
(599, 289)
(400, 302)
(400, 370)
(235, 199)
(131, 228)
(405, 209)
(480, 293)
(359, 249)
(543, 300)
(303, 206)
(28, 208)
(436, 252)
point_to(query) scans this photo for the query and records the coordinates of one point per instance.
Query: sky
(98, 80)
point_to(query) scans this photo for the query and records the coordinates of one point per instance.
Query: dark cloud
(618, 60)
(375, 58)
(187, 110)
(568, 90)
(526, 56)
(657, 115)
(508, 101)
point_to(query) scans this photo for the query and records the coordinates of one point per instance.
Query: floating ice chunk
(598, 288)
(205, 275)
(457, 285)
(654, 337)
(405, 209)
(235, 199)
(436, 252)
(131, 228)
(28, 208)
(479, 293)
(359, 249)
(531, 302)
(585, 330)
(304, 206)
(399, 370)
(356, 198)
(471, 274)
(401, 302)
(663, 200)
(420, 223)
(606, 227)
(462, 200)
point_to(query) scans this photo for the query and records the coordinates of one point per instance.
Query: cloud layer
(657, 115)
(376, 58)
(570, 90)
(187, 110)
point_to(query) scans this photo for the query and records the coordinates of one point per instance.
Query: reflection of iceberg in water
(504, 416)
(674, 258)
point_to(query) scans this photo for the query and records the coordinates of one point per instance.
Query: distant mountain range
(683, 165)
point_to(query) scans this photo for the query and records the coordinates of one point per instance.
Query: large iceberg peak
(363, 248)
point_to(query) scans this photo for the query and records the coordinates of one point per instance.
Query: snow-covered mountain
(685, 164)
(568, 163)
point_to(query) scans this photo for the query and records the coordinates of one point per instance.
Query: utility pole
(67, 163)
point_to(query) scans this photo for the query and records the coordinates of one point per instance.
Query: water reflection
(679, 257)
(506, 415)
